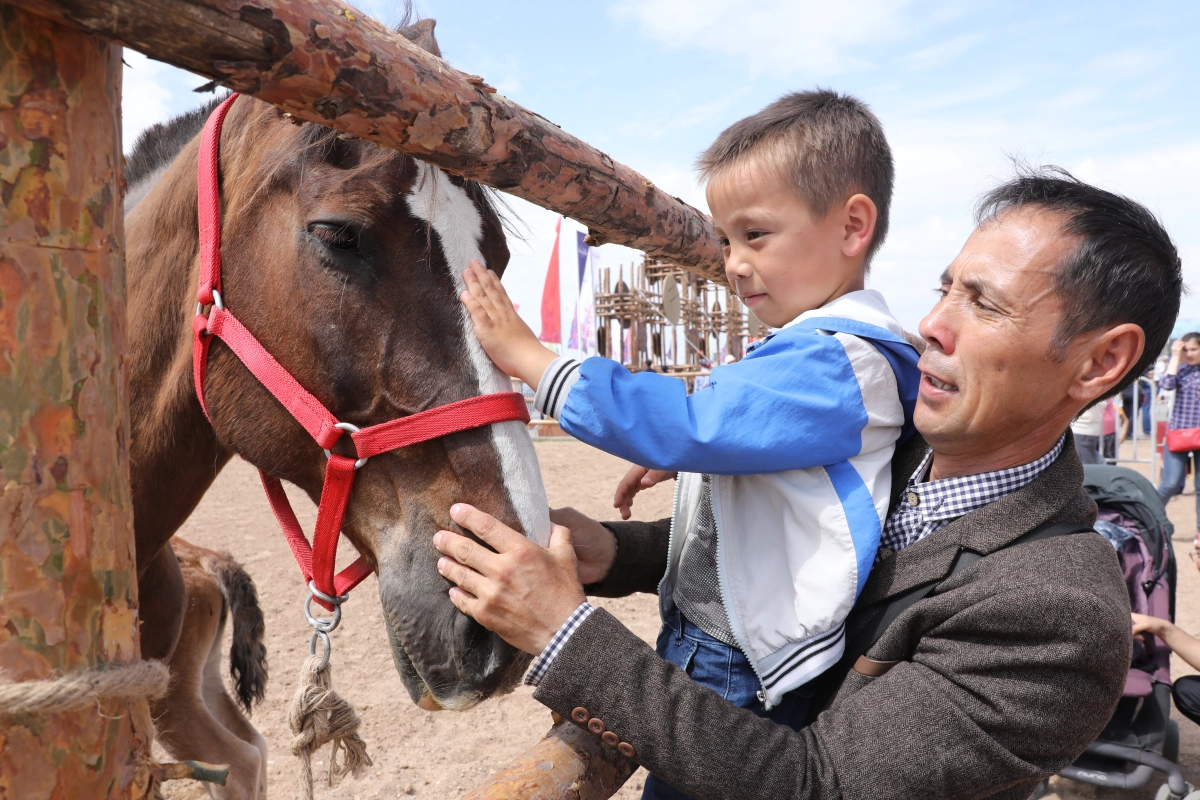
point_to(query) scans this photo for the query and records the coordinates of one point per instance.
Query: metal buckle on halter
(216, 303)
(322, 626)
(346, 426)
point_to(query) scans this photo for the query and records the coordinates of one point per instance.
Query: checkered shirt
(927, 507)
(541, 665)
(1187, 397)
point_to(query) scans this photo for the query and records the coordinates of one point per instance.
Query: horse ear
(421, 34)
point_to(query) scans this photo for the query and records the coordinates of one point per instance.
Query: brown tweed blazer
(1007, 673)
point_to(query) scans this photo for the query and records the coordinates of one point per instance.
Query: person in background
(1109, 444)
(1143, 402)
(1183, 375)
(1087, 428)
(1186, 689)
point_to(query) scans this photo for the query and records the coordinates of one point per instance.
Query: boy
(784, 458)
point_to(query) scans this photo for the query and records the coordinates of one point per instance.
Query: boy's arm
(1179, 641)
(801, 400)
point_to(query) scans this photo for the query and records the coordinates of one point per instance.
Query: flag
(551, 303)
(587, 306)
(581, 253)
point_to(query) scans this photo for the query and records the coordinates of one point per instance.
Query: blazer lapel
(1055, 494)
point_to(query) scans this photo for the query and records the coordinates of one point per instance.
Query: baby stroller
(1141, 739)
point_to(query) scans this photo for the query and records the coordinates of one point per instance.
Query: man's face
(989, 375)
(779, 258)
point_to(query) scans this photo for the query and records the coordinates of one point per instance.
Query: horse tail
(248, 652)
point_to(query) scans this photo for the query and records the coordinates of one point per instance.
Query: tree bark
(68, 589)
(326, 63)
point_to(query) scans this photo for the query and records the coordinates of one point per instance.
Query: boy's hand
(1151, 625)
(635, 480)
(505, 337)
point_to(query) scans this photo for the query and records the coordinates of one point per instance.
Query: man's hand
(505, 337)
(635, 480)
(522, 592)
(595, 546)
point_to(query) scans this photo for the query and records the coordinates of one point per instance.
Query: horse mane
(156, 147)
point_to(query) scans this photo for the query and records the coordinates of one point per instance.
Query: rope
(141, 680)
(319, 715)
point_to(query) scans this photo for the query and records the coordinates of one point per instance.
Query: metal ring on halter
(333, 600)
(346, 426)
(322, 624)
(327, 647)
(217, 303)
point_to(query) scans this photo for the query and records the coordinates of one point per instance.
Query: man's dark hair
(828, 146)
(1124, 267)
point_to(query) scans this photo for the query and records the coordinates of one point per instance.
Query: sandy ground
(441, 756)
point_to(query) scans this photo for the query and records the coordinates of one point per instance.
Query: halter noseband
(316, 561)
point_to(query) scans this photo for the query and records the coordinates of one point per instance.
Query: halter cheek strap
(316, 560)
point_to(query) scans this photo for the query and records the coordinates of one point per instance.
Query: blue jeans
(724, 669)
(1175, 474)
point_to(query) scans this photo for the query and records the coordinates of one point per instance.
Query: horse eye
(337, 236)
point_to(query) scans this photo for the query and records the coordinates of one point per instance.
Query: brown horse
(345, 261)
(197, 717)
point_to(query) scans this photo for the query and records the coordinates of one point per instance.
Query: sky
(1110, 91)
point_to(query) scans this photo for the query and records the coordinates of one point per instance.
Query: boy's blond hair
(828, 146)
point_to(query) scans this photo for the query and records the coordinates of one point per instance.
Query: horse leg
(185, 725)
(163, 599)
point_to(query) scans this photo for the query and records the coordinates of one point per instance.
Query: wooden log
(326, 63)
(568, 763)
(68, 589)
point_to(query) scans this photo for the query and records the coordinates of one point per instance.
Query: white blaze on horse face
(459, 227)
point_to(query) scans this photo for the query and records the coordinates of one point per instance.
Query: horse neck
(174, 454)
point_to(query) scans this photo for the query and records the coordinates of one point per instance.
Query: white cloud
(941, 53)
(815, 36)
(145, 97)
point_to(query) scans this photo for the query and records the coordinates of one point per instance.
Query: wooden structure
(69, 602)
(634, 325)
(68, 582)
(327, 63)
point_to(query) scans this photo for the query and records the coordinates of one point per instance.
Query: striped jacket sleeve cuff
(555, 385)
(541, 664)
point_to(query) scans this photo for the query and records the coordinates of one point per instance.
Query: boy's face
(780, 259)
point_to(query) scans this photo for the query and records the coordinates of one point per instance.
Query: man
(1010, 667)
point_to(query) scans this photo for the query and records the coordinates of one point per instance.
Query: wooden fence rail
(326, 63)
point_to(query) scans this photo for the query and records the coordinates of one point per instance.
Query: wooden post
(327, 63)
(68, 589)
(568, 763)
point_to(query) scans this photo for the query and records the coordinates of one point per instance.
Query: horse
(345, 260)
(197, 716)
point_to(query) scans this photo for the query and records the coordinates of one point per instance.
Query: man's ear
(1108, 356)
(860, 215)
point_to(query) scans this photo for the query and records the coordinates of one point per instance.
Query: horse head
(345, 260)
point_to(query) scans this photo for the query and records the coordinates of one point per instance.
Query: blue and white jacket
(798, 437)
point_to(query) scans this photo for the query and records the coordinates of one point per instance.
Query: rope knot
(320, 715)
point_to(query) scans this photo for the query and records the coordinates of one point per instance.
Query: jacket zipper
(727, 597)
(670, 544)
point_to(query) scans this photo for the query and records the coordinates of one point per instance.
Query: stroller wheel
(1165, 793)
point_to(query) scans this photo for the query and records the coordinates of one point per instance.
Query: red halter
(316, 561)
